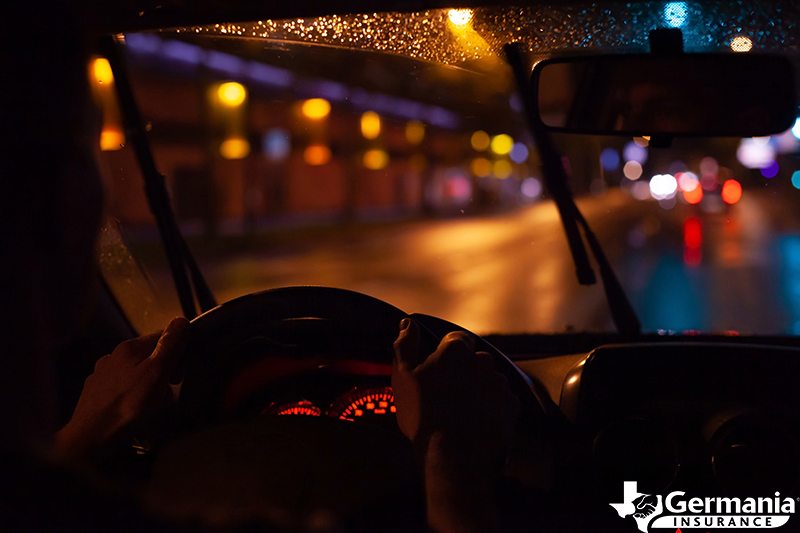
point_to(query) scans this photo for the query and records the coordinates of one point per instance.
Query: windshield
(387, 154)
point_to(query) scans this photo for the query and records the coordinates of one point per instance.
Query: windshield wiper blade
(555, 178)
(179, 256)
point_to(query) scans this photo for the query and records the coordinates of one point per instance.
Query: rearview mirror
(738, 95)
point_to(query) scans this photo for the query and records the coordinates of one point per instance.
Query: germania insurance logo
(676, 510)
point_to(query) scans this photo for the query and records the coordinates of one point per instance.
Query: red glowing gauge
(375, 405)
(303, 408)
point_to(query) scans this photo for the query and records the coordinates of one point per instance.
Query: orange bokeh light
(694, 196)
(731, 191)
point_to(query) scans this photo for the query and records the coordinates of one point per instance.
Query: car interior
(285, 400)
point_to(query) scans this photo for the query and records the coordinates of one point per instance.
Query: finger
(170, 346)
(138, 349)
(406, 348)
(458, 347)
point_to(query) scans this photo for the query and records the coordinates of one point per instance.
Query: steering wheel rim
(286, 314)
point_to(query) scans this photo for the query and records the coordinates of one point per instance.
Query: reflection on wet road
(683, 269)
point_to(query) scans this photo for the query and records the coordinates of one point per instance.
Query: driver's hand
(127, 385)
(452, 404)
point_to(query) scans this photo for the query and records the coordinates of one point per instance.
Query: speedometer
(303, 408)
(374, 406)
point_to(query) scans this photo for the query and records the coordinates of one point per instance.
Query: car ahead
(325, 167)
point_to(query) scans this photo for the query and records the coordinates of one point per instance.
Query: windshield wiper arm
(555, 178)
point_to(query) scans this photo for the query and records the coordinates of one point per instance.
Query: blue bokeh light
(796, 129)
(770, 170)
(609, 158)
(276, 144)
(676, 14)
(519, 153)
(796, 179)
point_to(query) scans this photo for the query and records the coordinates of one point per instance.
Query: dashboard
(696, 416)
(304, 418)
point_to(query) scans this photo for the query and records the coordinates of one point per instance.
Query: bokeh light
(693, 196)
(101, 70)
(632, 170)
(415, 132)
(502, 144)
(370, 125)
(231, 94)
(731, 191)
(481, 167)
(532, 188)
(317, 154)
(740, 43)
(754, 155)
(316, 108)
(692, 233)
(687, 181)
(676, 14)
(111, 140)
(460, 17)
(663, 186)
(709, 182)
(634, 152)
(641, 190)
(502, 169)
(234, 148)
(796, 179)
(609, 159)
(771, 170)
(796, 129)
(375, 159)
(276, 144)
(708, 165)
(480, 140)
(518, 153)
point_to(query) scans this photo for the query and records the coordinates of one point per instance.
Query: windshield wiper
(555, 178)
(178, 254)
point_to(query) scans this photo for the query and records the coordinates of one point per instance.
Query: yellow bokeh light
(234, 148)
(480, 140)
(232, 93)
(502, 169)
(101, 69)
(317, 154)
(460, 17)
(502, 144)
(375, 159)
(481, 167)
(741, 44)
(316, 108)
(415, 132)
(111, 140)
(370, 125)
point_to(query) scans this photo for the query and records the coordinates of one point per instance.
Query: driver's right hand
(452, 404)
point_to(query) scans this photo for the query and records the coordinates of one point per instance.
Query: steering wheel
(297, 463)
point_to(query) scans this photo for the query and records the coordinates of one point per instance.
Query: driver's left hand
(126, 385)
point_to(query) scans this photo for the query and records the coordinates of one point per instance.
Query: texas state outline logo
(676, 510)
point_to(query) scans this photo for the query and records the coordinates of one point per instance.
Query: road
(738, 269)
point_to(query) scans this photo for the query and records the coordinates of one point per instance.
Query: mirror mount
(666, 41)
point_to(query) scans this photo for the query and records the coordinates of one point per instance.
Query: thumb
(406, 348)
(170, 345)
